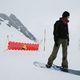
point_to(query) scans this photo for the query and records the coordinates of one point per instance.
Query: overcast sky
(41, 13)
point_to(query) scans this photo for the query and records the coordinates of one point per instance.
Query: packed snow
(18, 65)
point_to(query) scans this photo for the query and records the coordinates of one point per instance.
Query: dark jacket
(60, 30)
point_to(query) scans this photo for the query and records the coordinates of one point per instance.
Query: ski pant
(64, 53)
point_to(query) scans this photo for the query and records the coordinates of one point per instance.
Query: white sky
(38, 14)
(39, 8)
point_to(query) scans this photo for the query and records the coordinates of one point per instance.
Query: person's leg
(53, 56)
(64, 51)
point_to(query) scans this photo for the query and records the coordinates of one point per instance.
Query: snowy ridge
(13, 21)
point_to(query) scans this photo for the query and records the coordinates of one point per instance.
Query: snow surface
(18, 65)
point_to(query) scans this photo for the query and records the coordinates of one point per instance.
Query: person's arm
(67, 36)
(55, 32)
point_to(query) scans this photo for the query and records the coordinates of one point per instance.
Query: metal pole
(44, 38)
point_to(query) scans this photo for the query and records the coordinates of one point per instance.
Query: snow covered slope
(18, 65)
(38, 15)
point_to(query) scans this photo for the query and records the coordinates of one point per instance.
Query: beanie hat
(65, 14)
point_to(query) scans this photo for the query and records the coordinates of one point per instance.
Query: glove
(56, 44)
(56, 41)
(68, 41)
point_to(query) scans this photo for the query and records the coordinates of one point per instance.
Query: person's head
(65, 17)
(65, 14)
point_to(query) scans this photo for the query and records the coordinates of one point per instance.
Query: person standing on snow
(61, 37)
